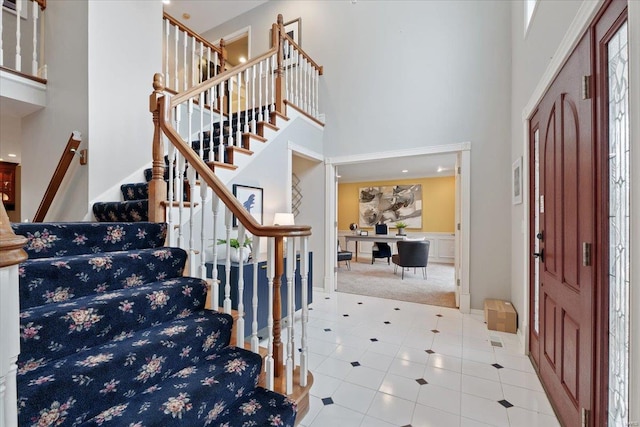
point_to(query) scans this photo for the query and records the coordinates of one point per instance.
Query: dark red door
(563, 346)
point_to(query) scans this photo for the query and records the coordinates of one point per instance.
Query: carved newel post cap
(280, 19)
(158, 82)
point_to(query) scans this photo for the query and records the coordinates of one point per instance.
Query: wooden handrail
(58, 175)
(11, 252)
(160, 105)
(216, 80)
(284, 35)
(191, 33)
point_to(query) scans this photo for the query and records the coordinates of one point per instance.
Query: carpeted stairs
(112, 334)
(134, 205)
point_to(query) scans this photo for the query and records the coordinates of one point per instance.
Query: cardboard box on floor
(500, 316)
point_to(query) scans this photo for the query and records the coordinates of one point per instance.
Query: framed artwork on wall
(251, 198)
(390, 204)
(516, 181)
(293, 29)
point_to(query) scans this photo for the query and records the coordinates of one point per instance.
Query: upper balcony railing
(21, 38)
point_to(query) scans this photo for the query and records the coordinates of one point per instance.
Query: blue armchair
(381, 249)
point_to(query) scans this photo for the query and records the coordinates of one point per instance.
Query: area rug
(378, 280)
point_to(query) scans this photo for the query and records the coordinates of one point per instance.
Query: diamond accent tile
(497, 366)
(374, 339)
(505, 403)
(345, 315)
(438, 315)
(396, 309)
(355, 363)
(327, 329)
(387, 322)
(435, 331)
(421, 381)
(360, 303)
(430, 351)
(327, 298)
(327, 401)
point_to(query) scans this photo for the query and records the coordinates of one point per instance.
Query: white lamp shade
(283, 219)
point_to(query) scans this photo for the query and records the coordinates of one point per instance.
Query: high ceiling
(207, 14)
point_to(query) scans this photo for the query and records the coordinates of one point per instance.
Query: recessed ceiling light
(186, 15)
(11, 155)
(1, 159)
(405, 170)
(242, 59)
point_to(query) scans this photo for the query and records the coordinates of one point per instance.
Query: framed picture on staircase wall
(251, 199)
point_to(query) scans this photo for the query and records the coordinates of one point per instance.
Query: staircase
(113, 334)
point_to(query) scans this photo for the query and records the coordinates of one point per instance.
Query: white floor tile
(425, 416)
(413, 355)
(374, 422)
(480, 370)
(482, 388)
(354, 397)
(348, 353)
(334, 368)
(407, 369)
(391, 409)
(532, 400)
(315, 406)
(441, 398)
(376, 361)
(445, 362)
(336, 415)
(520, 379)
(483, 410)
(468, 422)
(404, 388)
(324, 385)
(524, 418)
(443, 377)
(365, 377)
(517, 362)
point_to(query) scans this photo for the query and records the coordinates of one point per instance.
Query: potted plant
(234, 248)
(401, 226)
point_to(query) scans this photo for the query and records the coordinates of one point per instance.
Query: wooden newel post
(157, 185)
(279, 89)
(277, 307)
(222, 56)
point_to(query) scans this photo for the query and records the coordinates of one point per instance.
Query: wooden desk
(371, 238)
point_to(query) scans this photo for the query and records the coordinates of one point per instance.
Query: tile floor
(378, 362)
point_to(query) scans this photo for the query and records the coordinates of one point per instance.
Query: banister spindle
(201, 76)
(254, 298)
(253, 99)
(215, 207)
(34, 60)
(268, 363)
(191, 176)
(185, 42)
(304, 274)
(170, 196)
(221, 123)
(240, 321)
(260, 103)
(277, 306)
(18, 65)
(238, 134)
(203, 231)
(245, 127)
(267, 79)
(180, 195)
(291, 348)
(176, 85)
(273, 84)
(192, 69)
(227, 264)
(166, 30)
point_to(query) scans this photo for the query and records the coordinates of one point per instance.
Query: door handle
(539, 255)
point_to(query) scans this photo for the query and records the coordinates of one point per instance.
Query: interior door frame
(464, 151)
(585, 16)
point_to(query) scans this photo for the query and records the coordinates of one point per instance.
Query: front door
(563, 236)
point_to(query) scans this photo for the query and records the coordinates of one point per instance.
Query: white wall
(45, 133)
(125, 50)
(531, 57)
(406, 74)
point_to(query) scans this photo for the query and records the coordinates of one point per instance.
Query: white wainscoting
(441, 249)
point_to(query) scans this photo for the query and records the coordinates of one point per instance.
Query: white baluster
(298, 76)
(267, 79)
(260, 103)
(291, 263)
(179, 180)
(203, 234)
(227, 264)
(192, 69)
(208, 68)
(254, 300)
(176, 84)
(215, 204)
(201, 133)
(10, 339)
(170, 193)
(246, 101)
(304, 272)
(268, 363)
(191, 176)
(211, 95)
(201, 76)
(18, 65)
(230, 111)
(253, 99)
(185, 39)
(221, 133)
(316, 78)
(238, 109)
(34, 61)
(240, 321)
(273, 83)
